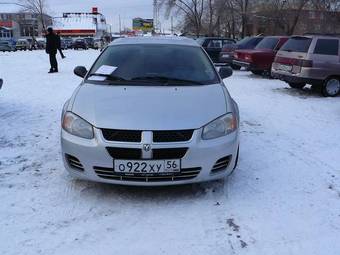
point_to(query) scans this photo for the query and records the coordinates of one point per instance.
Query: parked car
(68, 43)
(23, 44)
(260, 59)
(80, 44)
(98, 44)
(311, 60)
(227, 52)
(7, 46)
(213, 46)
(41, 44)
(90, 42)
(112, 132)
(1, 83)
(63, 44)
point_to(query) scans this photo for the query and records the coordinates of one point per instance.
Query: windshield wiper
(165, 80)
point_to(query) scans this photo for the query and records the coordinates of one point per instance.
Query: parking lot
(283, 198)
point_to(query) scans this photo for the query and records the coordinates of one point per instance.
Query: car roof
(172, 40)
(220, 38)
(317, 36)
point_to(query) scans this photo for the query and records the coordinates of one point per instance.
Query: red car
(259, 60)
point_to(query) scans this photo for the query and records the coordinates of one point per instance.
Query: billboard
(142, 24)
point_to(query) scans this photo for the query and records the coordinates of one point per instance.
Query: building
(22, 25)
(309, 21)
(78, 24)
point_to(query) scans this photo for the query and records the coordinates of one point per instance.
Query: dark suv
(80, 44)
(311, 60)
(213, 46)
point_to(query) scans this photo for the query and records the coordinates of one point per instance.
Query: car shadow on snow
(157, 194)
(306, 92)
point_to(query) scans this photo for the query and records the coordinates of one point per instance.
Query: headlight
(77, 126)
(220, 127)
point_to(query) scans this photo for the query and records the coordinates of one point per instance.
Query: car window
(297, 44)
(215, 44)
(171, 61)
(267, 43)
(327, 47)
(227, 42)
(253, 42)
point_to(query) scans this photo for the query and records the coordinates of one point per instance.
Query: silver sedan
(151, 111)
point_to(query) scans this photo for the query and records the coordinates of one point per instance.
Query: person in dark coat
(51, 49)
(59, 46)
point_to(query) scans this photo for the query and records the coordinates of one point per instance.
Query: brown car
(313, 59)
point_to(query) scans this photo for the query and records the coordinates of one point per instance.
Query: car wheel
(235, 67)
(257, 72)
(296, 85)
(331, 87)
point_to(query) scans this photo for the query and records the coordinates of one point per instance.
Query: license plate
(286, 68)
(225, 55)
(147, 166)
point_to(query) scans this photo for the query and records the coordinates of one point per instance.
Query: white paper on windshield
(97, 78)
(106, 70)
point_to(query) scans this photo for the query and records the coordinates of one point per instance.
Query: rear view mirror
(1, 82)
(80, 71)
(225, 72)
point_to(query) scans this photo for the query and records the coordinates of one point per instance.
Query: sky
(127, 9)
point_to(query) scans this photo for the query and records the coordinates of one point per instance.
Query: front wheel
(331, 87)
(297, 85)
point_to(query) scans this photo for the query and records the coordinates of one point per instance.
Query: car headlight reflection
(222, 126)
(77, 126)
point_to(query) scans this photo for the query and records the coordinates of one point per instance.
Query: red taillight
(294, 62)
(248, 57)
(235, 55)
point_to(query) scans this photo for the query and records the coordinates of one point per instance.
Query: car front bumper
(201, 155)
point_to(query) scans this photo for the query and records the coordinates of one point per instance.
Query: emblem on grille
(146, 147)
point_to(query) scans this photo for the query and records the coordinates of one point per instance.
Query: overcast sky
(127, 9)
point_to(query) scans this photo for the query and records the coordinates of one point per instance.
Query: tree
(191, 9)
(38, 7)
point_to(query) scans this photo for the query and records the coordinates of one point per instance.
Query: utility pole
(172, 25)
(155, 15)
(120, 26)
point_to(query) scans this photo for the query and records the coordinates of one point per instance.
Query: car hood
(149, 107)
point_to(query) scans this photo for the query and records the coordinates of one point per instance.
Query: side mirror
(225, 72)
(80, 71)
(1, 82)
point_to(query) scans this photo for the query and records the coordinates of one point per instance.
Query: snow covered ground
(284, 197)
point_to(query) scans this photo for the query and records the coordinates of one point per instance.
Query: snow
(284, 197)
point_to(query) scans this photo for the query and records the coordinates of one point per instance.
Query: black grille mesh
(172, 136)
(122, 135)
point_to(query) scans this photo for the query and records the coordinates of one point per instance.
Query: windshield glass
(244, 40)
(147, 63)
(297, 44)
(268, 43)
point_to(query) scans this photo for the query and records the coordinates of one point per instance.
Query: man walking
(59, 46)
(51, 49)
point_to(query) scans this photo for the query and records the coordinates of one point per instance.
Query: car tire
(331, 87)
(257, 72)
(296, 85)
(235, 67)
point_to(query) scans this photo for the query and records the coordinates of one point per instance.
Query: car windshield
(267, 43)
(297, 44)
(244, 41)
(156, 64)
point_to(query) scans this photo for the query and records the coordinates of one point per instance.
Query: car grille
(131, 153)
(122, 135)
(109, 174)
(74, 162)
(136, 135)
(172, 136)
(221, 165)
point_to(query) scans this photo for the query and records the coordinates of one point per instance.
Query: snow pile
(284, 198)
